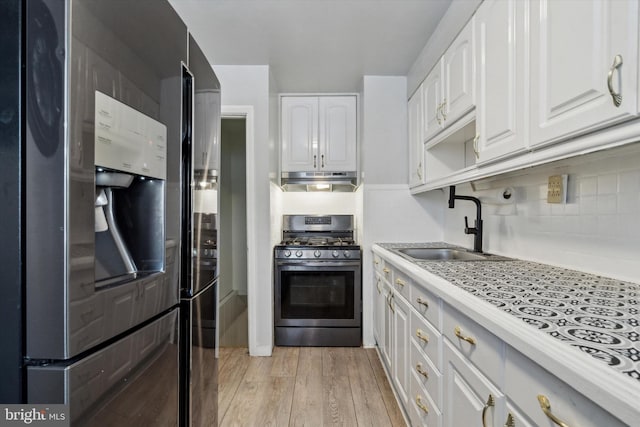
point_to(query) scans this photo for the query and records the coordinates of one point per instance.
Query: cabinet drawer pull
(546, 408)
(458, 332)
(421, 405)
(421, 335)
(391, 303)
(511, 422)
(386, 270)
(322, 164)
(421, 371)
(401, 282)
(422, 302)
(438, 114)
(376, 262)
(419, 171)
(442, 107)
(378, 286)
(490, 402)
(617, 97)
(315, 163)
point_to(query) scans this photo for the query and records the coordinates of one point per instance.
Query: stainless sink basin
(439, 254)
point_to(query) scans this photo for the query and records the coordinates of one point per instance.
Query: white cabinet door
(432, 102)
(459, 76)
(467, 393)
(299, 129)
(502, 107)
(416, 142)
(573, 46)
(380, 302)
(388, 328)
(401, 346)
(337, 137)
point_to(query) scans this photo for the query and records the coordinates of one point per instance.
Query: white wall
(596, 231)
(387, 209)
(249, 86)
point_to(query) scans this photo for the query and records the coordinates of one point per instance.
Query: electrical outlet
(557, 189)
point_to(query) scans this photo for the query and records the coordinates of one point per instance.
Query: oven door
(318, 294)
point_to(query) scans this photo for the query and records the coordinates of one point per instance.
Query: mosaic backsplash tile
(598, 315)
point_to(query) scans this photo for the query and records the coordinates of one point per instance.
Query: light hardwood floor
(305, 386)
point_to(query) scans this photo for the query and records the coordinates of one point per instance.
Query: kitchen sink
(440, 254)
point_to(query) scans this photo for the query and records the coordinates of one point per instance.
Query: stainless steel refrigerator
(91, 237)
(199, 251)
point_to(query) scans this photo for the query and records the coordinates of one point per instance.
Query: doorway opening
(233, 320)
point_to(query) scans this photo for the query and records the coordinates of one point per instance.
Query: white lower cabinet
(450, 371)
(530, 387)
(470, 398)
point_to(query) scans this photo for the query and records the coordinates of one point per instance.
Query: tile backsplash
(597, 230)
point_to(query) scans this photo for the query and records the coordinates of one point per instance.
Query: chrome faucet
(477, 230)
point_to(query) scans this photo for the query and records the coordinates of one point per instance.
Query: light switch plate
(557, 189)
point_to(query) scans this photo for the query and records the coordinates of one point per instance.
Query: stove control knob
(347, 254)
(298, 254)
(335, 254)
(287, 253)
(317, 254)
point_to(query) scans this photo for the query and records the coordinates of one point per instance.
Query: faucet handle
(468, 230)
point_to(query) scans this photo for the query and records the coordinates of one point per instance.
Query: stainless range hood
(345, 182)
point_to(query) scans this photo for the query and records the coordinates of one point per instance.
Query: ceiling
(314, 45)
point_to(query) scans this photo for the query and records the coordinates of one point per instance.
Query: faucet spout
(477, 230)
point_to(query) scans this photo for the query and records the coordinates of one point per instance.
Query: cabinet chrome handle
(422, 302)
(475, 146)
(378, 286)
(546, 408)
(617, 97)
(419, 171)
(421, 405)
(511, 422)
(322, 161)
(421, 371)
(386, 270)
(315, 163)
(458, 332)
(421, 335)
(401, 282)
(490, 402)
(444, 104)
(438, 114)
(391, 303)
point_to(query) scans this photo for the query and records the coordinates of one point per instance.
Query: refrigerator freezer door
(133, 381)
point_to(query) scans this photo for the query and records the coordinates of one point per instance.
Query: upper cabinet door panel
(501, 47)
(416, 144)
(459, 75)
(299, 133)
(432, 98)
(337, 136)
(573, 49)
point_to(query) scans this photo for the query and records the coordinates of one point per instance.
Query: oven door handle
(329, 264)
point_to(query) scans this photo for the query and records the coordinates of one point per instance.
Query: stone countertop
(599, 316)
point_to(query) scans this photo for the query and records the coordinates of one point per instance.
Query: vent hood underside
(345, 182)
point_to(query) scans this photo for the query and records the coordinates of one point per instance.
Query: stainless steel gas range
(318, 282)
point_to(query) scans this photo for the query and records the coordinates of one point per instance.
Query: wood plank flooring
(305, 386)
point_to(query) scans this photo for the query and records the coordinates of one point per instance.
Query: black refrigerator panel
(76, 296)
(133, 381)
(200, 165)
(10, 200)
(199, 363)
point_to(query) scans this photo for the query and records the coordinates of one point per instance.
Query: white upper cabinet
(416, 141)
(459, 76)
(583, 56)
(432, 102)
(500, 57)
(449, 89)
(337, 144)
(299, 115)
(319, 133)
